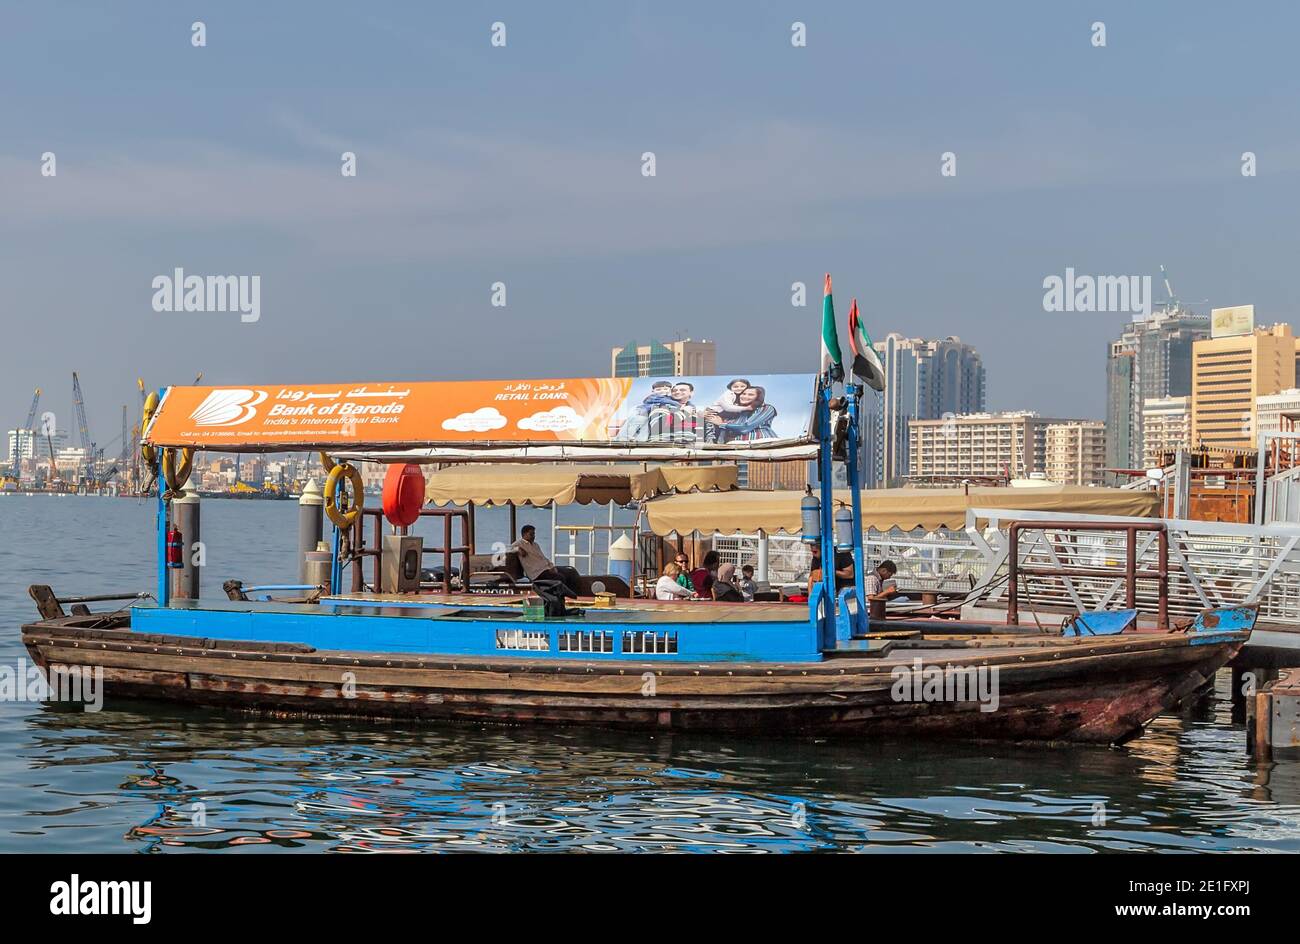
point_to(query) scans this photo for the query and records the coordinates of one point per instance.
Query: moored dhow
(548, 647)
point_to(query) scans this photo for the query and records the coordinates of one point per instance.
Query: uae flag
(832, 359)
(866, 364)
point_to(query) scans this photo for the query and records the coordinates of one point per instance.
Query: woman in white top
(667, 587)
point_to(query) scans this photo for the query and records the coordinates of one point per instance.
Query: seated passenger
(843, 570)
(536, 565)
(746, 583)
(724, 588)
(702, 577)
(667, 587)
(879, 584)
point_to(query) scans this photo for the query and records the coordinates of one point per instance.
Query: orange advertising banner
(691, 412)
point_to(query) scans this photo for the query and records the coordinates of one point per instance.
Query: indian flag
(866, 363)
(832, 359)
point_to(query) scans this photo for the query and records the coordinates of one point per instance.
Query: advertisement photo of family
(715, 410)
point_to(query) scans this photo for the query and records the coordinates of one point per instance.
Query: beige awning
(498, 484)
(887, 508)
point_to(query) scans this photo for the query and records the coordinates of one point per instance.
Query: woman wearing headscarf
(725, 588)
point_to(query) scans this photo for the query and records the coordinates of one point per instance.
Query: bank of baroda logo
(229, 407)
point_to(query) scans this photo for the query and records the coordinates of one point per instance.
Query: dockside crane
(83, 429)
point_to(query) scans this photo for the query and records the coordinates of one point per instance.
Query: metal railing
(1209, 563)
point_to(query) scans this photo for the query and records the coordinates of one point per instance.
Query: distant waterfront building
(1151, 359)
(1075, 452)
(924, 380)
(1166, 428)
(979, 445)
(683, 358)
(1229, 375)
(22, 445)
(32, 444)
(1270, 408)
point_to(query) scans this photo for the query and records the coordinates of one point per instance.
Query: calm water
(157, 778)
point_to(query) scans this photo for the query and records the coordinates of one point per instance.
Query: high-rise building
(1075, 452)
(1152, 358)
(1229, 375)
(682, 358)
(924, 380)
(1166, 428)
(979, 445)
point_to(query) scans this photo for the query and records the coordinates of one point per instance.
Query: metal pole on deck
(186, 511)
(826, 467)
(763, 559)
(860, 621)
(164, 581)
(311, 516)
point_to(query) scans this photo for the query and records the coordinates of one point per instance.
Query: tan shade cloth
(886, 508)
(497, 484)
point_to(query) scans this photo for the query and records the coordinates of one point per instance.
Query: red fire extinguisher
(175, 548)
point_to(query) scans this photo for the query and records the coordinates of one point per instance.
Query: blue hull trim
(429, 631)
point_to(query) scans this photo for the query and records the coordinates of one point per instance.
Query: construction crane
(55, 481)
(124, 456)
(1172, 302)
(83, 429)
(18, 436)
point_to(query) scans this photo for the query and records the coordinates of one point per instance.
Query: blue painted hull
(487, 631)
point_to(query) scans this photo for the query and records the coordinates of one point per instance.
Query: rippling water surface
(160, 778)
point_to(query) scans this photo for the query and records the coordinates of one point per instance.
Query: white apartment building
(1166, 428)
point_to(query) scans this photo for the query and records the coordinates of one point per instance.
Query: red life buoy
(403, 494)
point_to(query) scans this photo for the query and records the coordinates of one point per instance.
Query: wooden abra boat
(821, 668)
(719, 667)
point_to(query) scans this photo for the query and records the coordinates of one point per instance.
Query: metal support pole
(1162, 599)
(188, 578)
(861, 620)
(826, 478)
(763, 558)
(1013, 575)
(164, 581)
(1130, 568)
(311, 514)
(446, 554)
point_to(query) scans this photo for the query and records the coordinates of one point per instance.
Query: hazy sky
(522, 165)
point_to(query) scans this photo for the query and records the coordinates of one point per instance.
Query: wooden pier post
(1275, 722)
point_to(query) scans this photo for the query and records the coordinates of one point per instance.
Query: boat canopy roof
(884, 509)
(603, 418)
(514, 483)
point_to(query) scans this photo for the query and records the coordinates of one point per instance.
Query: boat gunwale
(64, 633)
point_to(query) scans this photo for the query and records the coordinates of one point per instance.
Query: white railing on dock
(1210, 563)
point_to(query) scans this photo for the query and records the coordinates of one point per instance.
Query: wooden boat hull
(1099, 690)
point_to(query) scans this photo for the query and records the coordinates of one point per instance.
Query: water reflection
(180, 779)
